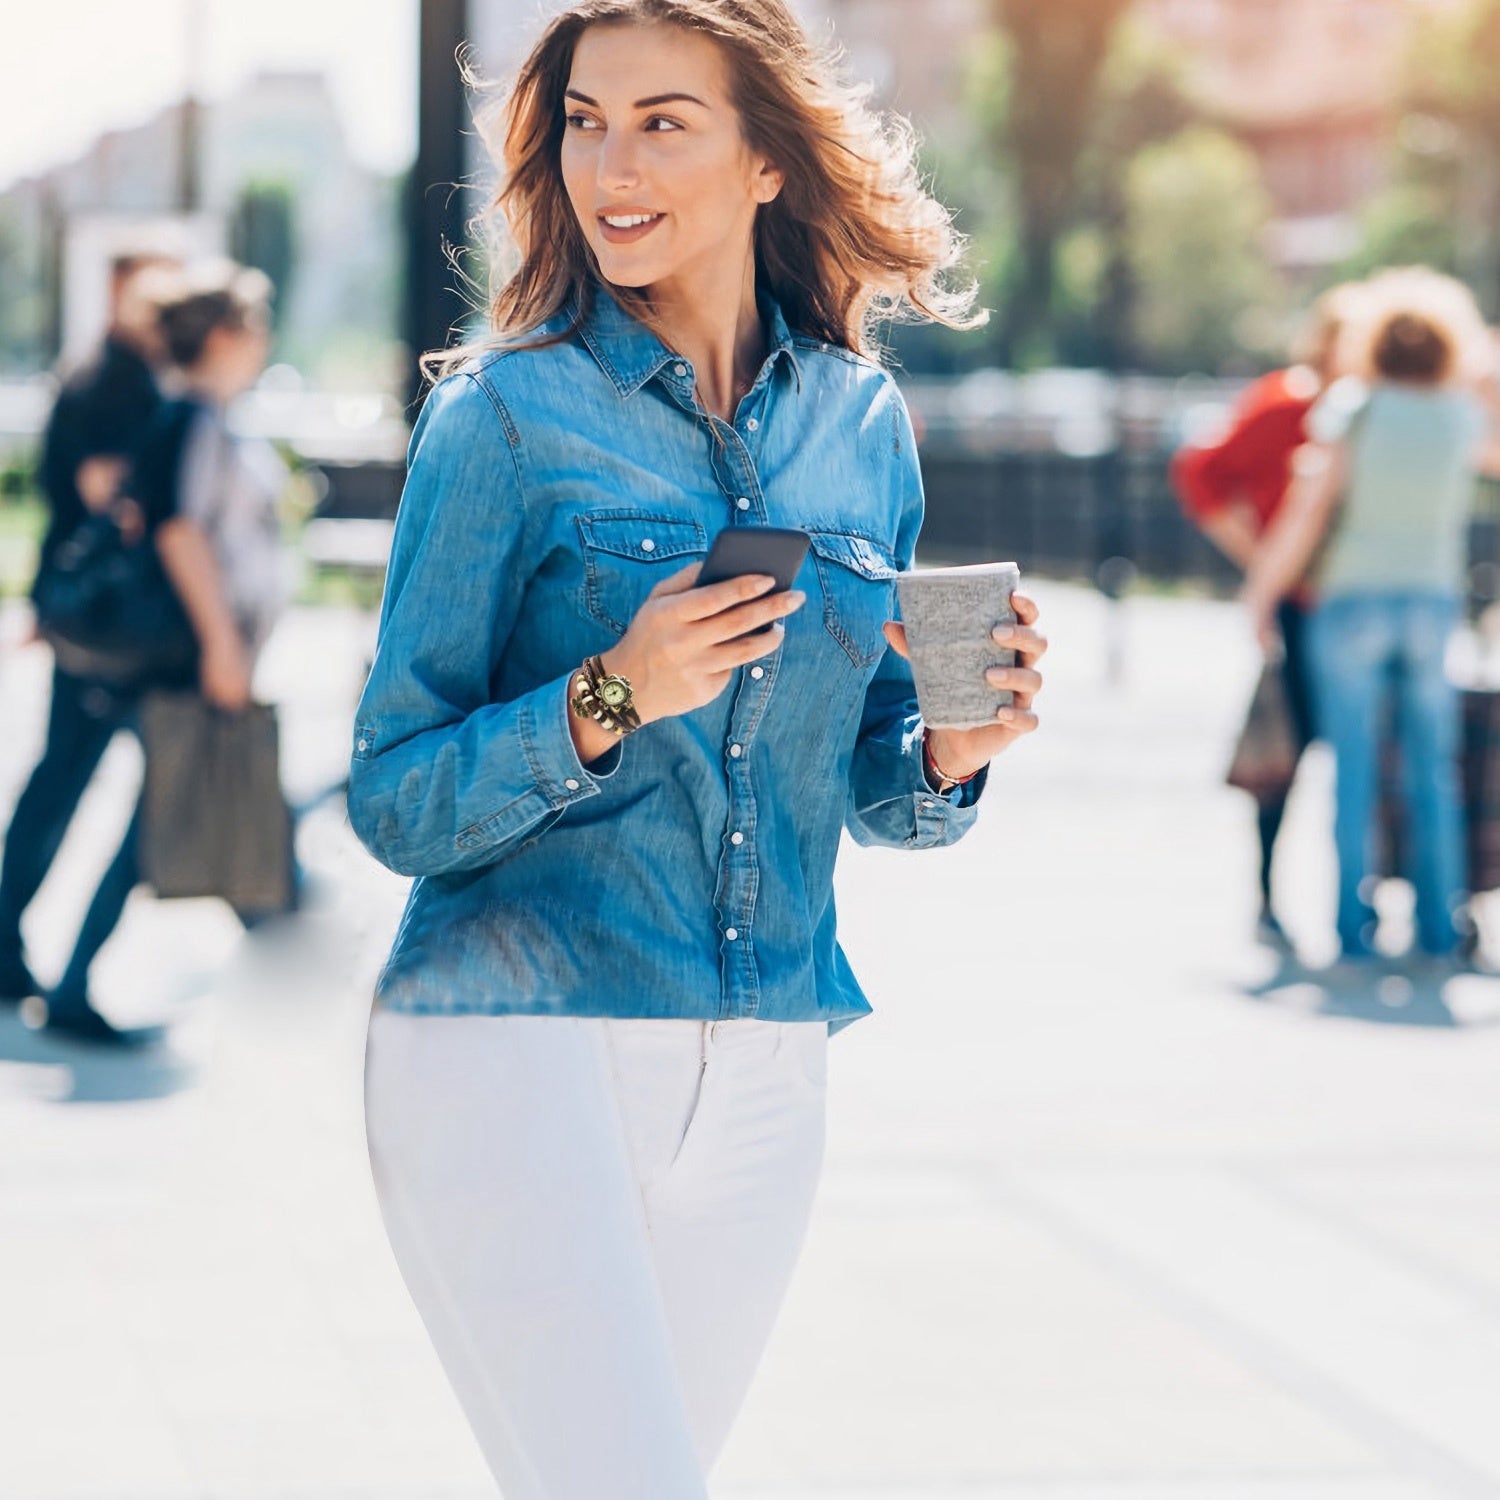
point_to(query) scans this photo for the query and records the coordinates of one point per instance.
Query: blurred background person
(209, 497)
(98, 422)
(1387, 489)
(1233, 488)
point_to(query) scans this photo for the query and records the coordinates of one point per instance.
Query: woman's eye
(662, 122)
(580, 122)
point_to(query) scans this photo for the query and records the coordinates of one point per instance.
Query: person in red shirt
(1233, 487)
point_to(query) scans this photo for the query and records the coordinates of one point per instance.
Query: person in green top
(1386, 489)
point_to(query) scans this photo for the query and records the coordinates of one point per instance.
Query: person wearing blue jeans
(1364, 647)
(83, 719)
(1387, 493)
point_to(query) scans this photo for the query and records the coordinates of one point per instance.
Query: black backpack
(105, 604)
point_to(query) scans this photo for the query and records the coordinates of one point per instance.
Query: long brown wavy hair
(853, 239)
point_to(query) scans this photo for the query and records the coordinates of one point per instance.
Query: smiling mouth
(629, 221)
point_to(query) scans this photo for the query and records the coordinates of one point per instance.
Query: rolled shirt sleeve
(891, 801)
(442, 777)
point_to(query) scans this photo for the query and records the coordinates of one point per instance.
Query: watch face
(613, 692)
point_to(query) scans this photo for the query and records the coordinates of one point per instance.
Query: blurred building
(1313, 88)
(917, 69)
(277, 143)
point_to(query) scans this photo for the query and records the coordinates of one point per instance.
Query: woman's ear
(767, 182)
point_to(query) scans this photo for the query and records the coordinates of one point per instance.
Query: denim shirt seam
(526, 727)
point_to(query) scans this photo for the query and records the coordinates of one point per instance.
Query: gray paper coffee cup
(949, 614)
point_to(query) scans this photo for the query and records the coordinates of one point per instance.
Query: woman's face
(235, 357)
(653, 158)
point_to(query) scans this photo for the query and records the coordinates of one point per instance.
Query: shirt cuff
(551, 754)
(943, 818)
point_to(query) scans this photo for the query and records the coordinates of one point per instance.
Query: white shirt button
(757, 673)
(926, 802)
(679, 369)
(571, 785)
(752, 424)
(736, 838)
(742, 503)
(362, 746)
(732, 934)
(735, 751)
(648, 545)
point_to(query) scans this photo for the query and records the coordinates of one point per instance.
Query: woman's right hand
(681, 648)
(224, 674)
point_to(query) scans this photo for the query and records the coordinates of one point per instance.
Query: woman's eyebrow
(650, 103)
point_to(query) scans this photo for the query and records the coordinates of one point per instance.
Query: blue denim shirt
(689, 872)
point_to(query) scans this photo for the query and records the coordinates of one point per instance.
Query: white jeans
(597, 1220)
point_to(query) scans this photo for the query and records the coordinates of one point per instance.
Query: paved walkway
(1115, 1209)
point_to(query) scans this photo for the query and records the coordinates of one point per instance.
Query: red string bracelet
(937, 770)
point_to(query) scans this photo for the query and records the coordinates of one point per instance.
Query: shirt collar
(630, 354)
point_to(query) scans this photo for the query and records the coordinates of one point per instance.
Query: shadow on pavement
(1387, 994)
(67, 1072)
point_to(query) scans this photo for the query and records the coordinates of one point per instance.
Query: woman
(594, 1078)
(209, 499)
(1234, 487)
(1392, 480)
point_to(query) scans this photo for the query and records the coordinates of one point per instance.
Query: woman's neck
(718, 329)
(206, 389)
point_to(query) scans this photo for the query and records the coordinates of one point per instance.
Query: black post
(435, 199)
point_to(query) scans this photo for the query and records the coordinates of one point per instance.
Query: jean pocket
(857, 577)
(626, 554)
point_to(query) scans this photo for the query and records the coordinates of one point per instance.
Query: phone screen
(737, 550)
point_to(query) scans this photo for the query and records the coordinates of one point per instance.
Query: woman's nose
(618, 166)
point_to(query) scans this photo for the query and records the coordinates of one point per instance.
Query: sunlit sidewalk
(1115, 1207)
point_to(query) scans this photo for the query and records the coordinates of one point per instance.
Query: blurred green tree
(263, 231)
(1058, 54)
(1453, 80)
(1143, 99)
(24, 312)
(1196, 214)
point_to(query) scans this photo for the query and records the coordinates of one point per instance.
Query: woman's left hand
(960, 752)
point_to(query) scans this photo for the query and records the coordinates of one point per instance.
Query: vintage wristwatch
(605, 697)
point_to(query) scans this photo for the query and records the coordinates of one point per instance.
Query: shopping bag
(214, 821)
(1269, 747)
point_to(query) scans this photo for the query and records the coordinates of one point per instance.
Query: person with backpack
(208, 502)
(96, 426)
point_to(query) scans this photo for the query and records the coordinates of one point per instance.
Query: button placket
(737, 871)
(738, 878)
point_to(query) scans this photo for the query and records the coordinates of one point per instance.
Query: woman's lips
(618, 236)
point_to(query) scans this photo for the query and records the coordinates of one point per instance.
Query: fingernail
(1005, 715)
(995, 676)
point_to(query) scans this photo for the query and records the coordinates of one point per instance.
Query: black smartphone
(738, 550)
